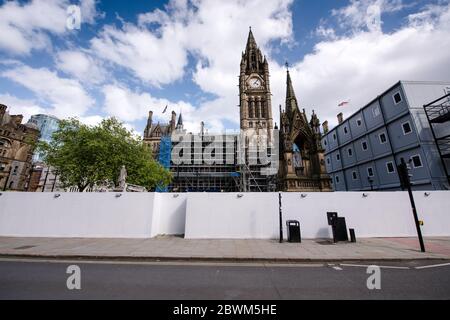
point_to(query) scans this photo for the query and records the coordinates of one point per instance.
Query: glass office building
(47, 125)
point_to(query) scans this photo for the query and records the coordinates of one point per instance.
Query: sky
(130, 57)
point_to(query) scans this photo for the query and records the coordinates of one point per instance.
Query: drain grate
(24, 247)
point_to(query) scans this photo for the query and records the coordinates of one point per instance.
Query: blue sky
(130, 57)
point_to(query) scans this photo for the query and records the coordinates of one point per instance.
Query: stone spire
(291, 99)
(251, 43)
(148, 128)
(180, 122)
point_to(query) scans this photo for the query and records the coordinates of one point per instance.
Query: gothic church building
(301, 165)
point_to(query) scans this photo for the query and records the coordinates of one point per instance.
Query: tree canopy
(85, 155)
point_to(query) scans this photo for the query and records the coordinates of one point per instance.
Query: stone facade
(154, 131)
(256, 121)
(16, 150)
(254, 88)
(302, 165)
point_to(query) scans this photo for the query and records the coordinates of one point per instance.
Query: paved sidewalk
(177, 248)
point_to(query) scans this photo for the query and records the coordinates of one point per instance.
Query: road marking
(433, 266)
(295, 265)
(335, 267)
(368, 265)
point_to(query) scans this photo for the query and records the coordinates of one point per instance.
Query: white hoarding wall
(218, 215)
(90, 215)
(232, 216)
(371, 214)
(377, 214)
(169, 214)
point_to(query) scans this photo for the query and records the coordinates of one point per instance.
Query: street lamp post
(280, 217)
(403, 173)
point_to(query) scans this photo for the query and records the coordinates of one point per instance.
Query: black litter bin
(293, 231)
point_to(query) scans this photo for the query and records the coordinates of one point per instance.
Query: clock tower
(254, 89)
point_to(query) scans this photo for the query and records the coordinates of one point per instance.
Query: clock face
(255, 83)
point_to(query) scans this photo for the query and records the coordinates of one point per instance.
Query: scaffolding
(438, 115)
(194, 175)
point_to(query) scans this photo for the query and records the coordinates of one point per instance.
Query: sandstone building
(16, 150)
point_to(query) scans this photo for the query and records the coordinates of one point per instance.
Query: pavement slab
(175, 247)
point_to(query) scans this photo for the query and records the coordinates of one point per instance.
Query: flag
(343, 103)
(165, 109)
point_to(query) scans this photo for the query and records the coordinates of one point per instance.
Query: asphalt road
(34, 279)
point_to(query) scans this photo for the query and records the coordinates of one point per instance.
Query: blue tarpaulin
(165, 149)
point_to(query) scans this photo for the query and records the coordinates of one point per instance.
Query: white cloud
(360, 66)
(360, 14)
(66, 97)
(25, 107)
(128, 105)
(91, 120)
(156, 60)
(80, 65)
(89, 13)
(214, 32)
(356, 65)
(26, 26)
(219, 34)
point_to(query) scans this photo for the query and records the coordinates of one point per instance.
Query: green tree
(84, 155)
